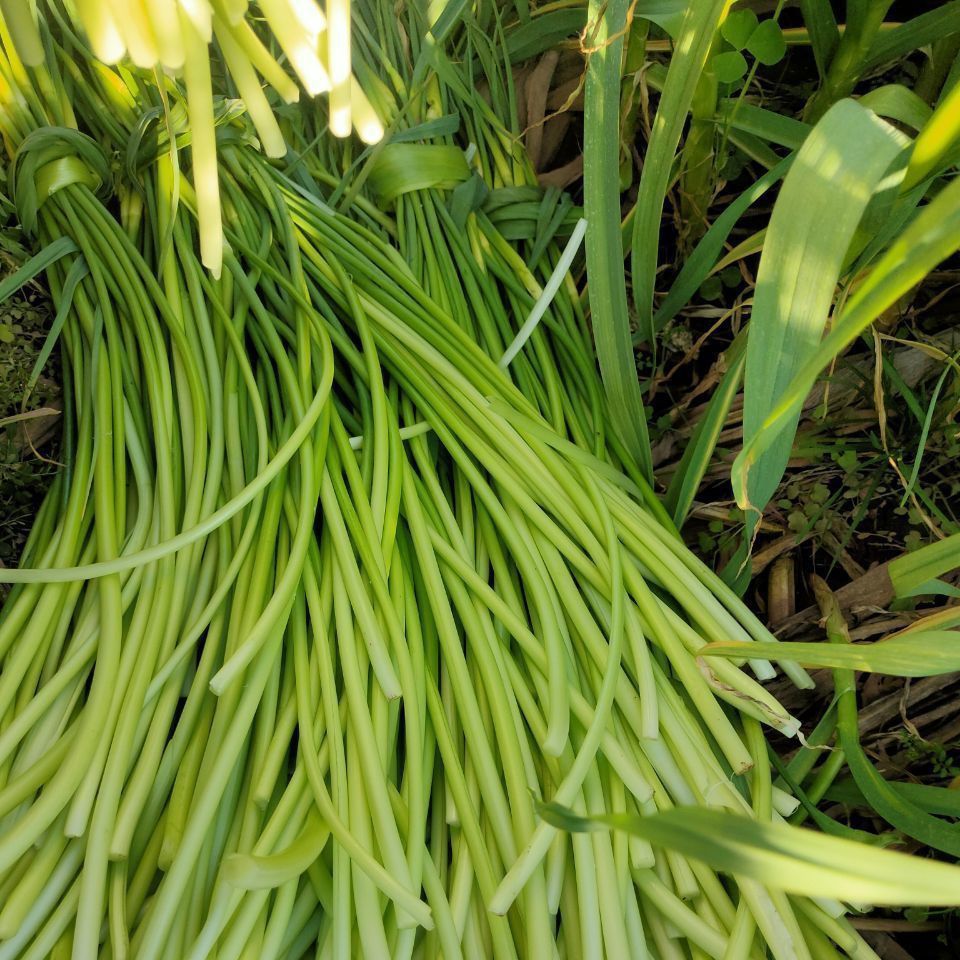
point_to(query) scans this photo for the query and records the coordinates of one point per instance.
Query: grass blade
(702, 261)
(914, 570)
(929, 239)
(915, 33)
(923, 653)
(601, 207)
(864, 20)
(690, 56)
(822, 27)
(783, 857)
(39, 262)
(941, 800)
(765, 124)
(814, 220)
(894, 101)
(893, 806)
(936, 142)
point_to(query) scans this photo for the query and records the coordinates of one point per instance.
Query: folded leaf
(402, 167)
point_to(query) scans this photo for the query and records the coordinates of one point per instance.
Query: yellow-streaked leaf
(921, 653)
(936, 140)
(783, 857)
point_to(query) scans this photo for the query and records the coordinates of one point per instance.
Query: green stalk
(864, 19)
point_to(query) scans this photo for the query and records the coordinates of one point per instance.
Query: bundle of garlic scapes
(346, 578)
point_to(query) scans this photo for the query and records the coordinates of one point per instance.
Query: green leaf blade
(912, 571)
(920, 653)
(788, 858)
(927, 240)
(821, 203)
(601, 206)
(700, 25)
